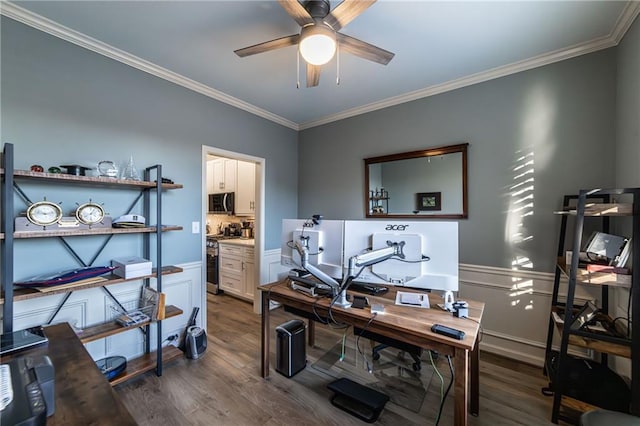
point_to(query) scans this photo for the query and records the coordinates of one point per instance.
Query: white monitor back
(436, 240)
(325, 244)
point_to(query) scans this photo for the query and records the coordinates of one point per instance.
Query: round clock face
(44, 213)
(90, 213)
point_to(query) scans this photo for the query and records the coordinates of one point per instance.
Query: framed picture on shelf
(429, 201)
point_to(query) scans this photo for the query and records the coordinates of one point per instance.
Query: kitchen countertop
(250, 242)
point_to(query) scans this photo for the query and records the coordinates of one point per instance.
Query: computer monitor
(430, 249)
(324, 241)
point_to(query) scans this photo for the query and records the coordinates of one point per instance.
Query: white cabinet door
(224, 175)
(209, 178)
(249, 271)
(230, 167)
(246, 189)
(218, 176)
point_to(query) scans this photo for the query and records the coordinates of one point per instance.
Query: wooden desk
(83, 396)
(407, 324)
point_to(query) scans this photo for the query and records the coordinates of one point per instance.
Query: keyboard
(372, 289)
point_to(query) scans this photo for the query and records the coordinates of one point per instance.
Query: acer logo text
(396, 227)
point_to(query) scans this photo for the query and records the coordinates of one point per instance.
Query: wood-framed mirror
(426, 184)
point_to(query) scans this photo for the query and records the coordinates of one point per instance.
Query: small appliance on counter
(233, 230)
(247, 229)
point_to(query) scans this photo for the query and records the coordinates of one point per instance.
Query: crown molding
(481, 77)
(624, 22)
(53, 28)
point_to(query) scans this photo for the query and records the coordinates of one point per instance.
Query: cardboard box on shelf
(131, 267)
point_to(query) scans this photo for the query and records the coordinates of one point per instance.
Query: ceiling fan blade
(313, 75)
(295, 9)
(346, 12)
(278, 43)
(364, 49)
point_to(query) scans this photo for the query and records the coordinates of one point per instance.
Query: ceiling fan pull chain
(337, 64)
(298, 70)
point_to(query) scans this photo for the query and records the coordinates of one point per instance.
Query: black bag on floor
(591, 382)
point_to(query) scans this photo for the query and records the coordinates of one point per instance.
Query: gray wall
(628, 110)
(62, 104)
(561, 116)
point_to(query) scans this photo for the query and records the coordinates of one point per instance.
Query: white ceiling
(438, 46)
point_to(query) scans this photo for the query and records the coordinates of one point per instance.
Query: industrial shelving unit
(594, 203)
(11, 179)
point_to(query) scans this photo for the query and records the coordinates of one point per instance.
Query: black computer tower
(291, 356)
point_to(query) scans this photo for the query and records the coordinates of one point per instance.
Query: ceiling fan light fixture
(317, 44)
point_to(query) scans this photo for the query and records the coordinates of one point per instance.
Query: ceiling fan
(320, 36)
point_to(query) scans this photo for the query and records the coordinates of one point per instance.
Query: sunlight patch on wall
(521, 207)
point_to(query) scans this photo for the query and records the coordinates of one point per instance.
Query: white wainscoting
(272, 271)
(517, 303)
(93, 306)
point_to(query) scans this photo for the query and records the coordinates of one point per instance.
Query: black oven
(213, 278)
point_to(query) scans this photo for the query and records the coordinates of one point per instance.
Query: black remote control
(447, 331)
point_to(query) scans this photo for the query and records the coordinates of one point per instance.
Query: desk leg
(475, 379)
(461, 365)
(312, 332)
(264, 367)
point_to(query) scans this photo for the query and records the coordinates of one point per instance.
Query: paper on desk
(418, 300)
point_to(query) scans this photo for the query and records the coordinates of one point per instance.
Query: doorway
(249, 210)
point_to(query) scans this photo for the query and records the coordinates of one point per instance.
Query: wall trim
(622, 25)
(512, 354)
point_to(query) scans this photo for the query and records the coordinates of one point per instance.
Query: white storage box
(131, 267)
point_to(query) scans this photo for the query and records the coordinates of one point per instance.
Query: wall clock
(44, 213)
(90, 213)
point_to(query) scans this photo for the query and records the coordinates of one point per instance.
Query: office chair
(415, 353)
(385, 342)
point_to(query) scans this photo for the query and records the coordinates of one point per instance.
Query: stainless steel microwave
(222, 203)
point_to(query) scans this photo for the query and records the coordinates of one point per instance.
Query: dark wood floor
(224, 386)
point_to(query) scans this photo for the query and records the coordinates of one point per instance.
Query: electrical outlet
(195, 227)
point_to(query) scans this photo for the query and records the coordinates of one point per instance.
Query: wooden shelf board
(146, 362)
(107, 329)
(96, 231)
(29, 293)
(585, 277)
(89, 180)
(601, 209)
(577, 405)
(594, 344)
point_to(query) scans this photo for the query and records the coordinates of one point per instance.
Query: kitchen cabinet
(249, 272)
(246, 189)
(237, 269)
(209, 177)
(224, 172)
(13, 180)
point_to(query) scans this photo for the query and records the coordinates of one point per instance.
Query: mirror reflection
(428, 183)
